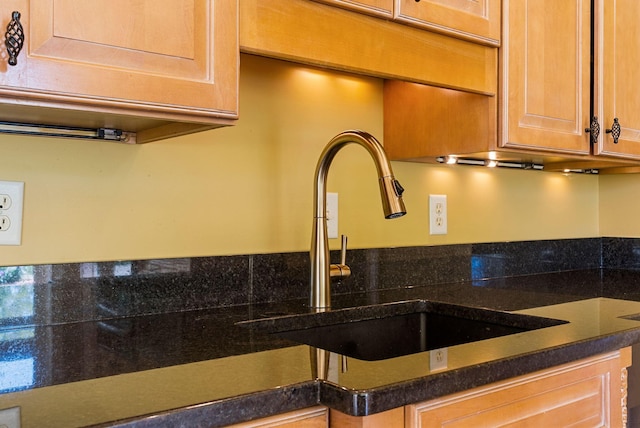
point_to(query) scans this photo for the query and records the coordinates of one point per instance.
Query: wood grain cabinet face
(477, 20)
(313, 417)
(588, 393)
(174, 60)
(383, 8)
(617, 82)
(545, 75)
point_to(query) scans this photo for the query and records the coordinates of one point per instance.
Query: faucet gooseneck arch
(392, 204)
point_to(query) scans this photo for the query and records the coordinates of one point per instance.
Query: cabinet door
(314, 417)
(618, 84)
(158, 58)
(587, 393)
(545, 75)
(469, 19)
(382, 8)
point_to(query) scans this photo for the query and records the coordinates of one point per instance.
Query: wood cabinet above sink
(157, 69)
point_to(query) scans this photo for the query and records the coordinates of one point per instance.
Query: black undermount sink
(391, 330)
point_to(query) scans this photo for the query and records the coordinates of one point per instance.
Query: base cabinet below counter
(313, 417)
(589, 393)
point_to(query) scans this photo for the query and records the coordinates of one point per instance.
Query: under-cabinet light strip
(42, 130)
(491, 163)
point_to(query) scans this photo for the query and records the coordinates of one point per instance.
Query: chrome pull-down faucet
(392, 204)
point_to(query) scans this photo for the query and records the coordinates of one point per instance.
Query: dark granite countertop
(196, 366)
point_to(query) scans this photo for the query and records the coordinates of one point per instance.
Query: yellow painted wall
(248, 188)
(620, 205)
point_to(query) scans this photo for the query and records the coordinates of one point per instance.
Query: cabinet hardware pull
(594, 130)
(14, 38)
(615, 130)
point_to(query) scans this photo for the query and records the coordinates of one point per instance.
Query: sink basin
(391, 330)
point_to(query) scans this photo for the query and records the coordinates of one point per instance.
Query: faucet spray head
(391, 192)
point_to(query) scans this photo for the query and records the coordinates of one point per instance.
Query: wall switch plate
(438, 214)
(332, 215)
(10, 418)
(11, 196)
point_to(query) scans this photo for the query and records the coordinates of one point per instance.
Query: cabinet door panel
(160, 56)
(470, 19)
(314, 417)
(382, 8)
(546, 75)
(587, 393)
(619, 85)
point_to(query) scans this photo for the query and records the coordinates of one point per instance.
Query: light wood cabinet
(548, 93)
(393, 418)
(383, 8)
(314, 417)
(155, 68)
(469, 19)
(332, 37)
(616, 76)
(478, 21)
(588, 392)
(545, 76)
(422, 122)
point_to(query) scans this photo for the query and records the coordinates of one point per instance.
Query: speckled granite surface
(373, 386)
(100, 322)
(75, 292)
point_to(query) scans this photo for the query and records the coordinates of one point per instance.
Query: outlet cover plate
(438, 214)
(10, 418)
(11, 195)
(438, 359)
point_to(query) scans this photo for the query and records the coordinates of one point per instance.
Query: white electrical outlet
(10, 418)
(438, 214)
(332, 215)
(11, 195)
(438, 359)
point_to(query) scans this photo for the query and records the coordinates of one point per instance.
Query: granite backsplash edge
(76, 292)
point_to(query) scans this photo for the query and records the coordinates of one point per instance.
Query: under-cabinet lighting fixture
(42, 130)
(492, 163)
(464, 161)
(580, 171)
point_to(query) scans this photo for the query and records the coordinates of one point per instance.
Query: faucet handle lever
(341, 270)
(343, 250)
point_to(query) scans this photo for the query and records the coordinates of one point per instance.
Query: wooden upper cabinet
(477, 20)
(617, 83)
(383, 8)
(422, 122)
(145, 66)
(545, 76)
(311, 32)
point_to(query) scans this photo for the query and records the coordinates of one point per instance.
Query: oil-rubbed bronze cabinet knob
(14, 38)
(594, 130)
(615, 130)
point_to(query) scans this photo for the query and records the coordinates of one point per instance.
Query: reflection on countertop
(206, 344)
(149, 336)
